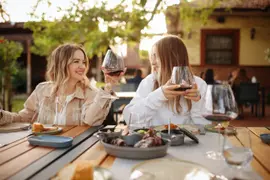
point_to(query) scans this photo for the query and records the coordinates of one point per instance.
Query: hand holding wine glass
(113, 65)
(181, 83)
(193, 93)
(113, 68)
(169, 90)
(182, 76)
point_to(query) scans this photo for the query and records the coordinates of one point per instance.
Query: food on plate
(142, 131)
(172, 126)
(149, 139)
(219, 126)
(118, 142)
(38, 127)
(81, 170)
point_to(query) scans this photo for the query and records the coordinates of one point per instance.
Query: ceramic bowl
(176, 136)
(137, 153)
(265, 138)
(132, 139)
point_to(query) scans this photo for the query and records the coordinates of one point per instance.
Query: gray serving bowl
(176, 136)
(136, 153)
(132, 139)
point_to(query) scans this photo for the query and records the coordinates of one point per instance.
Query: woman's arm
(96, 107)
(25, 115)
(146, 102)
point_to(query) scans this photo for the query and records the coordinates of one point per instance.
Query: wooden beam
(17, 37)
(98, 68)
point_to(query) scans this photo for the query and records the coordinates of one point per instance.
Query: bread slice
(37, 127)
(82, 170)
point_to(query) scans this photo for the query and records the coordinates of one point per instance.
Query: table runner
(121, 168)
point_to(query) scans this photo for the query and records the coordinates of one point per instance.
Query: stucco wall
(251, 52)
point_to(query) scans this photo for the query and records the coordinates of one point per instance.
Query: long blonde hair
(58, 62)
(172, 52)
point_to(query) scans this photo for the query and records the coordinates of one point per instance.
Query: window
(219, 47)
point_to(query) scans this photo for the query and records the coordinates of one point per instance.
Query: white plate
(169, 169)
(14, 127)
(56, 131)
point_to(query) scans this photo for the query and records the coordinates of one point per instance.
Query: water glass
(238, 156)
(137, 121)
(76, 116)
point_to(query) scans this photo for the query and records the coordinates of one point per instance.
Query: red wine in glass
(217, 117)
(182, 76)
(113, 65)
(183, 88)
(115, 73)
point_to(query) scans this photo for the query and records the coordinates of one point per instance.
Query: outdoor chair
(248, 93)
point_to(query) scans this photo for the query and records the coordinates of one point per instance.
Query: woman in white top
(156, 100)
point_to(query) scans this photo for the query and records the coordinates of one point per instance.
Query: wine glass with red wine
(182, 75)
(113, 65)
(221, 108)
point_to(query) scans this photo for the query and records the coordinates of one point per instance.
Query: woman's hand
(85, 81)
(193, 94)
(111, 81)
(169, 90)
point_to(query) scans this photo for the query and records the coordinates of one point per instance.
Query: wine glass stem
(219, 148)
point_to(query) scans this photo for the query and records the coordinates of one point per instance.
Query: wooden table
(19, 159)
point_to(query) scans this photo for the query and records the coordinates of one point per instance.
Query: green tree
(10, 51)
(80, 24)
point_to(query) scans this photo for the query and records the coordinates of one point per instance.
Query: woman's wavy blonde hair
(58, 62)
(172, 52)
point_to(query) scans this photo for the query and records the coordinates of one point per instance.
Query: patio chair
(248, 93)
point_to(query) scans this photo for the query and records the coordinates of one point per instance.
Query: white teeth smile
(80, 73)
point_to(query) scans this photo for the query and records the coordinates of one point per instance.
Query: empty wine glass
(182, 75)
(220, 107)
(137, 121)
(238, 156)
(76, 116)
